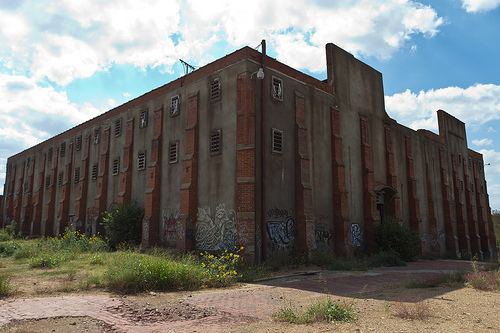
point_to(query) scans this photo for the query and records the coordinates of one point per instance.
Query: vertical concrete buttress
(101, 197)
(48, 223)
(125, 185)
(82, 187)
(38, 197)
(369, 199)
(63, 209)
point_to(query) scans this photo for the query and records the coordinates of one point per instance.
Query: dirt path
(375, 294)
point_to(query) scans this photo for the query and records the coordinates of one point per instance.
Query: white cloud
(474, 6)
(482, 142)
(473, 105)
(65, 40)
(492, 172)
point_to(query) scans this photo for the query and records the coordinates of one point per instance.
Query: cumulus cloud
(482, 142)
(474, 6)
(474, 105)
(64, 40)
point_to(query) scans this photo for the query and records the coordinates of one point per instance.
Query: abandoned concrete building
(249, 151)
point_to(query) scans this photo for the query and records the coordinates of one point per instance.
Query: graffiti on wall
(217, 231)
(323, 236)
(356, 235)
(280, 228)
(92, 215)
(171, 226)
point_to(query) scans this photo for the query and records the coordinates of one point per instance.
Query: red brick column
(101, 198)
(125, 186)
(51, 195)
(28, 201)
(451, 238)
(152, 195)
(9, 199)
(369, 199)
(18, 198)
(393, 206)
(82, 186)
(245, 165)
(189, 186)
(458, 185)
(413, 202)
(38, 198)
(63, 209)
(431, 212)
(470, 204)
(303, 185)
(340, 201)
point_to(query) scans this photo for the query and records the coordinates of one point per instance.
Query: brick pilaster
(303, 184)
(189, 186)
(369, 199)
(51, 196)
(245, 165)
(152, 195)
(63, 209)
(393, 206)
(125, 186)
(458, 186)
(340, 200)
(38, 197)
(101, 198)
(470, 204)
(18, 198)
(451, 238)
(82, 186)
(27, 209)
(413, 201)
(433, 230)
(9, 199)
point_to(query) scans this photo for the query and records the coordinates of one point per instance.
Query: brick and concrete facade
(287, 164)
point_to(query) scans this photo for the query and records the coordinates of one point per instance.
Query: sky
(63, 62)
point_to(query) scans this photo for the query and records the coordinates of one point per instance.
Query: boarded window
(277, 89)
(47, 182)
(78, 143)
(60, 179)
(97, 136)
(216, 142)
(174, 106)
(143, 119)
(173, 152)
(141, 160)
(94, 171)
(116, 166)
(62, 150)
(215, 89)
(277, 141)
(77, 175)
(118, 127)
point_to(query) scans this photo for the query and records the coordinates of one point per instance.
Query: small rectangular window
(143, 119)
(277, 89)
(62, 150)
(173, 152)
(49, 154)
(60, 179)
(97, 136)
(78, 143)
(118, 127)
(116, 166)
(47, 182)
(141, 160)
(174, 106)
(77, 175)
(94, 171)
(216, 142)
(215, 89)
(277, 141)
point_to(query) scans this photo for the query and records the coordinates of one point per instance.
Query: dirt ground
(376, 295)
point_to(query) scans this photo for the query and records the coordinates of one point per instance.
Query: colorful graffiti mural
(356, 235)
(280, 228)
(216, 232)
(171, 226)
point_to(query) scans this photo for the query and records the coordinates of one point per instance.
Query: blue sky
(63, 62)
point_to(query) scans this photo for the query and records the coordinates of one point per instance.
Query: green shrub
(393, 236)
(321, 311)
(8, 248)
(46, 261)
(5, 236)
(134, 272)
(96, 259)
(5, 288)
(123, 224)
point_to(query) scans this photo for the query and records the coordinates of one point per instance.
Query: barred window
(94, 171)
(118, 127)
(116, 166)
(77, 175)
(97, 136)
(215, 89)
(78, 143)
(62, 150)
(60, 179)
(49, 154)
(47, 181)
(277, 89)
(141, 160)
(174, 106)
(173, 152)
(216, 142)
(277, 141)
(143, 119)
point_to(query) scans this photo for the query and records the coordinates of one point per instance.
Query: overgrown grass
(416, 311)
(47, 260)
(483, 280)
(321, 311)
(5, 287)
(437, 281)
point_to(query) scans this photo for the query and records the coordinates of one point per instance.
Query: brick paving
(238, 305)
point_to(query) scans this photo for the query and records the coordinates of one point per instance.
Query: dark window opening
(94, 171)
(50, 153)
(78, 143)
(216, 142)
(277, 141)
(215, 89)
(143, 119)
(62, 151)
(174, 106)
(141, 160)
(116, 166)
(277, 89)
(60, 179)
(173, 152)
(97, 136)
(118, 127)
(77, 175)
